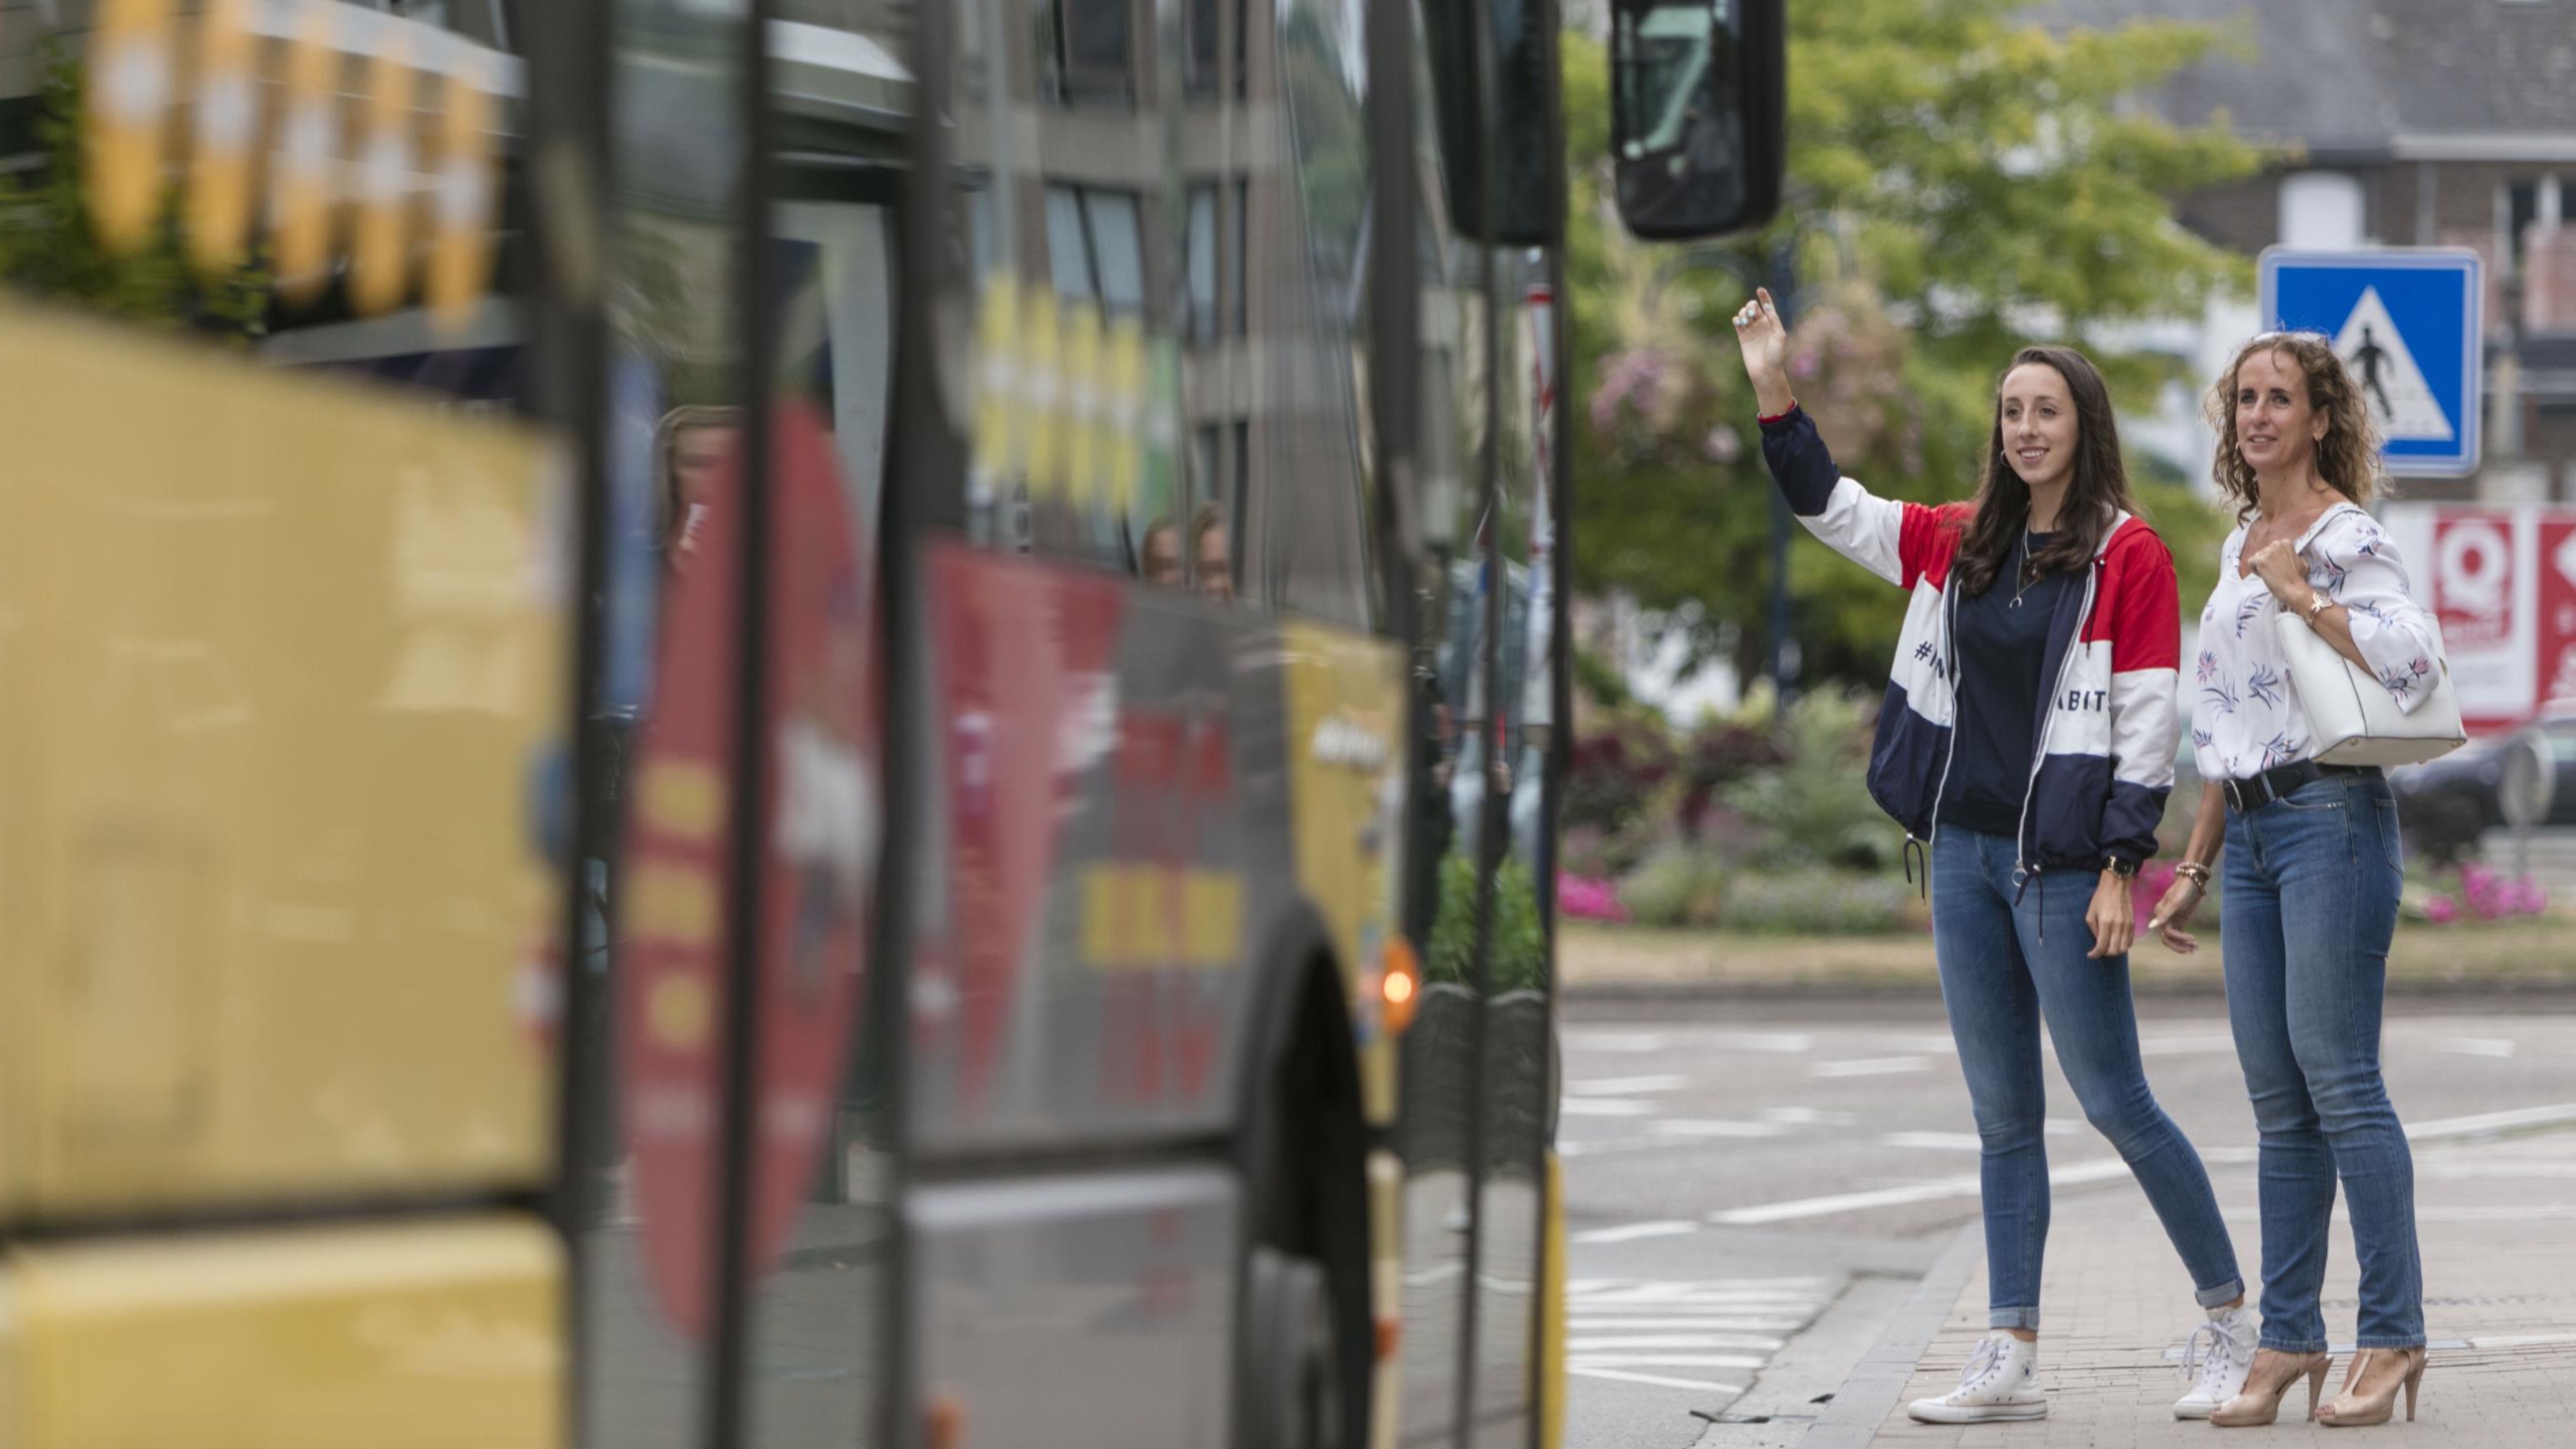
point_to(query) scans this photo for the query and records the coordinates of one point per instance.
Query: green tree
(1961, 181)
(48, 246)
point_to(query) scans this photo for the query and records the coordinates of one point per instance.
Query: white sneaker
(2000, 1382)
(2216, 1358)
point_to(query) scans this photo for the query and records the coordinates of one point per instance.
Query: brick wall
(2549, 280)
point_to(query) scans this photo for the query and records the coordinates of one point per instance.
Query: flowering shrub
(2484, 896)
(1589, 898)
(2487, 894)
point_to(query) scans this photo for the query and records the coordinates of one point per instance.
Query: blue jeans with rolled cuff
(2011, 959)
(2311, 903)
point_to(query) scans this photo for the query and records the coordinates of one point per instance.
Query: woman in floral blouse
(2312, 863)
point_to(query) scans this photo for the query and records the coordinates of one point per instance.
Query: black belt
(2272, 784)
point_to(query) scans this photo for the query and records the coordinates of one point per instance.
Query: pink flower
(1589, 899)
(2441, 910)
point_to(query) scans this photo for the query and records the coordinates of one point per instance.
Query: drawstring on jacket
(2022, 877)
(1912, 852)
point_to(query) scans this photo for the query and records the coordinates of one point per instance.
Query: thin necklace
(2021, 569)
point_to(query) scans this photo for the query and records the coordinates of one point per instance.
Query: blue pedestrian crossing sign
(2408, 322)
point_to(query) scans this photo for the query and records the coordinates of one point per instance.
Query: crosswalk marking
(1619, 1329)
(1715, 1127)
(1872, 1067)
(1630, 1232)
(1932, 1191)
(1661, 1381)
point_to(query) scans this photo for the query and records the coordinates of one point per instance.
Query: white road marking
(1620, 1328)
(1660, 1381)
(1615, 1041)
(2498, 1047)
(1777, 1043)
(1719, 1332)
(1715, 1127)
(1631, 1290)
(1631, 1232)
(2454, 1170)
(2557, 1115)
(1604, 1107)
(2550, 1212)
(1935, 1141)
(1624, 1086)
(1846, 1202)
(1871, 1067)
(1809, 1117)
(1626, 1347)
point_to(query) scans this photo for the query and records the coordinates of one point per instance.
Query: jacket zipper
(2028, 871)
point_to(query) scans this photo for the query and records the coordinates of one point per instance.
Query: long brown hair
(2096, 493)
(2347, 456)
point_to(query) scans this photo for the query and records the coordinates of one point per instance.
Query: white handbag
(2352, 717)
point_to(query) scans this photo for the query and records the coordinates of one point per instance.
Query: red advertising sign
(1023, 658)
(2473, 581)
(2557, 672)
(820, 825)
(2474, 585)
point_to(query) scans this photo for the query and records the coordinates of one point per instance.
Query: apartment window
(1096, 247)
(1202, 264)
(1240, 497)
(1199, 73)
(2533, 199)
(1239, 255)
(1242, 51)
(1093, 48)
(1205, 449)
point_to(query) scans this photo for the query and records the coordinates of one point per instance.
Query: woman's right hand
(1765, 340)
(2173, 913)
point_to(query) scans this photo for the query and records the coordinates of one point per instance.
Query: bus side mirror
(1511, 131)
(1697, 92)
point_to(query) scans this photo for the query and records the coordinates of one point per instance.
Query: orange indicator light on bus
(1400, 985)
(943, 1422)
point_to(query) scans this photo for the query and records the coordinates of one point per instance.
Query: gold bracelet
(2195, 872)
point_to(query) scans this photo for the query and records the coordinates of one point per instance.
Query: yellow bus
(794, 722)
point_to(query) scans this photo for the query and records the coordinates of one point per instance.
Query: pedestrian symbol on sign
(2410, 323)
(2371, 344)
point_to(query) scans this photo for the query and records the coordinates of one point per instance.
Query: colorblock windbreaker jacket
(2103, 762)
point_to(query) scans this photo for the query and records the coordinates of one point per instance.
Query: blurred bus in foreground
(796, 723)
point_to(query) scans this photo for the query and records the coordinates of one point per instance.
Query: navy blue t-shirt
(2002, 649)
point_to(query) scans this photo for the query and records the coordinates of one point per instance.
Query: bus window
(1440, 1069)
(1510, 721)
(650, 1144)
(819, 1211)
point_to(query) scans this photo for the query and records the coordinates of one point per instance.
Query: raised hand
(1765, 340)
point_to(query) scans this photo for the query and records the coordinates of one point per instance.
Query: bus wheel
(1296, 1385)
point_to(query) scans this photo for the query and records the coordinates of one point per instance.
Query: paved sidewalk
(2497, 1219)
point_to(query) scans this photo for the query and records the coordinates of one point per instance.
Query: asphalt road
(1751, 1193)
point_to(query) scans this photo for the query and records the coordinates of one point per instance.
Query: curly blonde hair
(2347, 456)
